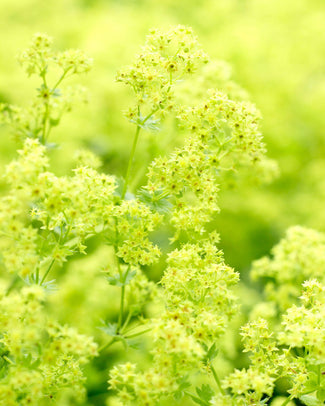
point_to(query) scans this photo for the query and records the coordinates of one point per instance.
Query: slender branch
(126, 322)
(287, 400)
(12, 284)
(60, 80)
(120, 317)
(47, 272)
(138, 334)
(37, 275)
(108, 344)
(216, 378)
(46, 113)
(135, 141)
(8, 360)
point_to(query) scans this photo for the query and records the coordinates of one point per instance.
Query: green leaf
(157, 200)
(109, 328)
(205, 393)
(30, 362)
(183, 384)
(321, 395)
(198, 400)
(151, 124)
(310, 400)
(121, 280)
(54, 122)
(212, 353)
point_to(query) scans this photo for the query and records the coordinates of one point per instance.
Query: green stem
(45, 119)
(60, 80)
(120, 317)
(108, 344)
(47, 272)
(287, 400)
(127, 320)
(12, 284)
(135, 141)
(138, 334)
(8, 360)
(216, 378)
(46, 113)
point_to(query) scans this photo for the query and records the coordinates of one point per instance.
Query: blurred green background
(277, 53)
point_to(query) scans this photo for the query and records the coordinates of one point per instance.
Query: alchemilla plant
(144, 339)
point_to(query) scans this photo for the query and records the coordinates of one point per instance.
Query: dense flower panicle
(175, 353)
(46, 111)
(84, 157)
(74, 61)
(199, 303)
(39, 358)
(297, 257)
(49, 217)
(31, 162)
(36, 58)
(224, 137)
(134, 221)
(165, 59)
(304, 326)
(197, 289)
(250, 385)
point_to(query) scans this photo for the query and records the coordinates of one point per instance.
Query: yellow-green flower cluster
(224, 137)
(134, 221)
(140, 291)
(38, 358)
(74, 61)
(197, 289)
(23, 172)
(304, 326)
(37, 58)
(140, 389)
(47, 109)
(248, 386)
(198, 305)
(166, 58)
(175, 353)
(84, 157)
(81, 204)
(47, 217)
(298, 256)
(18, 239)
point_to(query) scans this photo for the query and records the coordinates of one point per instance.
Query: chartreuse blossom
(249, 386)
(223, 136)
(295, 354)
(134, 221)
(46, 218)
(166, 58)
(39, 359)
(297, 257)
(46, 111)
